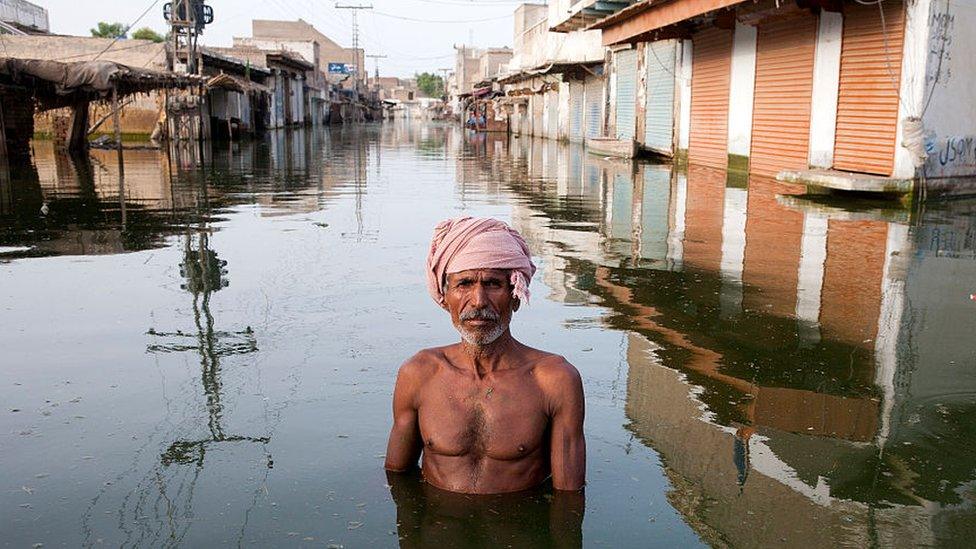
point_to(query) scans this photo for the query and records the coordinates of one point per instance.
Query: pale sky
(412, 46)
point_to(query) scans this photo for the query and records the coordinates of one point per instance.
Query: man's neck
(483, 359)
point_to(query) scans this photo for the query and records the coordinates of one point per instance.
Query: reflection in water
(775, 352)
(795, 370)
(430, 517)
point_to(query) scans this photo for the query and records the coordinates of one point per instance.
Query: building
(290, 102)
(846, 95)
(554, 83)
(140, 114)
(298, 35)
(238, 97)
(18, 17)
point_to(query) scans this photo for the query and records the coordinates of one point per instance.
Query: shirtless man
(488, 414)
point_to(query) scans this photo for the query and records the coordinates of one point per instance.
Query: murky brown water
(204, 354)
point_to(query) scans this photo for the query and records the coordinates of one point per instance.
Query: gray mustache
(479, 314)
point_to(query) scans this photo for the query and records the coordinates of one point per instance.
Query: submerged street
(201, 351)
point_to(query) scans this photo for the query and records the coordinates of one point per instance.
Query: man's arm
(405, 445)
(567, 446)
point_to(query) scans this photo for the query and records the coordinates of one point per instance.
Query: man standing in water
(489, 414)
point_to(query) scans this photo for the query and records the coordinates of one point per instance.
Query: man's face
(481, 304)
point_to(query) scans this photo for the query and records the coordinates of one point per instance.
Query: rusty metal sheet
(785, 52)
(870, 76)
(710, 79)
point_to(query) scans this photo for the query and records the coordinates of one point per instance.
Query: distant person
(488, 414)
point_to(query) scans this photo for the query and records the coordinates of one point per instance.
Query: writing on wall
(951, 156)
(939, 66)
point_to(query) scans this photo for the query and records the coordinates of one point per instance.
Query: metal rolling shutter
(576, 112)
(593, 97)
(784, 91)
(655, 206)
(711, 71)
(626, 118)
(870, 76)
(659, 127)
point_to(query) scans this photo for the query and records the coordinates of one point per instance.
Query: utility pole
(446, 73)
(377, 58)
(187, 18)
(355, 34)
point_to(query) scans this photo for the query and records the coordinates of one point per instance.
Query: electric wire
(446, 21)
(132, 24)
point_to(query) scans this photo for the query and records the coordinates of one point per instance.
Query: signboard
(339, 68)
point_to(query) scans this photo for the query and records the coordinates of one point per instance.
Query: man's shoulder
(554, 370)
(424, 361)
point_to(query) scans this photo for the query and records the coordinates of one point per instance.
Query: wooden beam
(78, 138)
(659, 16)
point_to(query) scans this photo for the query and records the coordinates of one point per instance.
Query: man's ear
(516, 303)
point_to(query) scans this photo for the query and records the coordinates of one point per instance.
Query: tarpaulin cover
(89, 77)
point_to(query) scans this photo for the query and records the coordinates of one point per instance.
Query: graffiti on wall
(939, 66)
(951, 155)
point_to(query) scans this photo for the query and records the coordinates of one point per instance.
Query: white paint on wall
(826, 86)
(676, 236)
(810, 276)
(889, 321)
(912, 87)
(733, 250)
(684, 96)
(950, 118)
(562, 131)
(742, 89)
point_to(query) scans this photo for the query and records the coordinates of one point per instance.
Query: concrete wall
(948, 106)
(24, 14)
(826, 85)
(492, 60)
(684, 97)
(536, 47)
(742, 89)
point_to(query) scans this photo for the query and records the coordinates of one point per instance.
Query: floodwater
(202, 352)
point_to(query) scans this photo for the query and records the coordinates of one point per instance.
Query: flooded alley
(201, 349)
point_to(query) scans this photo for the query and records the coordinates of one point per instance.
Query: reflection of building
(92, 208)
(782, 360)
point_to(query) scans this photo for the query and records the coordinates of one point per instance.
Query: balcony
(582, 13)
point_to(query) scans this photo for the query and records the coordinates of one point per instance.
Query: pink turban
(466, 243)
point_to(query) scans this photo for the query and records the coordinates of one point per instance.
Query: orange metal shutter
(710, 76)
(870, 76)
(784, 90)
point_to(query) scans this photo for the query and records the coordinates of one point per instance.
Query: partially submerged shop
(843, 94)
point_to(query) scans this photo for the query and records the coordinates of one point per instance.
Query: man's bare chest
(502, 421)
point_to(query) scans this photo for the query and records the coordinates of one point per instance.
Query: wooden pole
(78, 139)
(116, 121)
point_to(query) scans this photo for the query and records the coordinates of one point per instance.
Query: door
(593, 98)
(870, 76)
(576, 112)
(711, 71)
(626, 96)
(784, 91)
(659, 118)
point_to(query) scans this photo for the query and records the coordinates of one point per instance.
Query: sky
(411, 46)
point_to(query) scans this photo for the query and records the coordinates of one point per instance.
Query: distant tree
(109, 30)
(146, 33)
(430, 85)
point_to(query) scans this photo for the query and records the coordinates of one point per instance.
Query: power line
(448, 21)
(117, 38)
